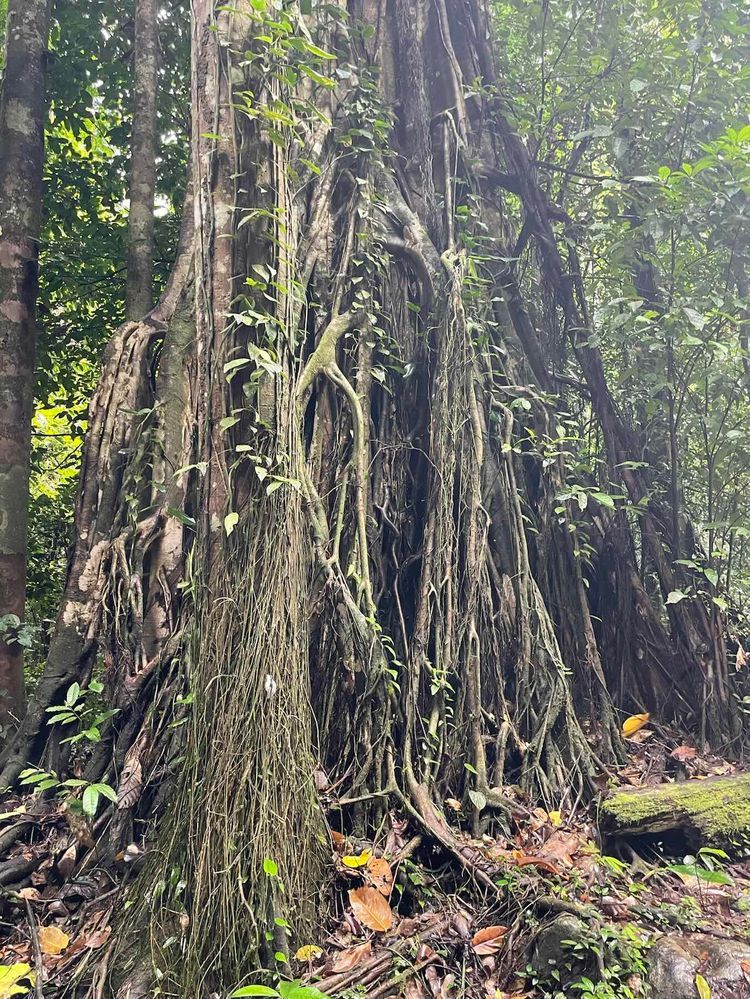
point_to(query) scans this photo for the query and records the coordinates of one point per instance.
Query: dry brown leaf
(98, 938)
(380, 874)
(338, 838)
(642, 735)
(682, 753)
(52, 940)
(31, 894)
(489, 940)
(347, 959)
(453, 803)
(131, 781)
(745, 965)
(562, 846)
(634, 723)
(371, 909)
(523, 860)
(67, 862)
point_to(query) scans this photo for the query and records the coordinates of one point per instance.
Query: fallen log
(711, 812)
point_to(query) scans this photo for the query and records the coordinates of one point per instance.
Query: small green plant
(69, 790)
(284, 990)
(707, 865)
(82, 707)
(606, 962)
(15, 632)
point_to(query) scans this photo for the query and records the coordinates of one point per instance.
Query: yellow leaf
(704, 989)
(52, 940)
(555, 818)
(634, 724)
(371, 909)
(360, 861)
(11, 975)
(309, 953)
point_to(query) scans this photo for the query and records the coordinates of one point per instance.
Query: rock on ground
(676, 959)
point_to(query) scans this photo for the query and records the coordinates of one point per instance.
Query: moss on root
(714, 811)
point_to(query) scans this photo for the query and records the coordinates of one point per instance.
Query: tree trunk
(313, 551)
(22, 116)
(143, 144)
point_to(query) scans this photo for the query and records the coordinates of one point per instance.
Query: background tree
(22, 111)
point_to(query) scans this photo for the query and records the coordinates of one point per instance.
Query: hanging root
(245, 832)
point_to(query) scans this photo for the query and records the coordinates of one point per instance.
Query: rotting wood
(715, 811)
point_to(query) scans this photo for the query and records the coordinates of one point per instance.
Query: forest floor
(564, 912)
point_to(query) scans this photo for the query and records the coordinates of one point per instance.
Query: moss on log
(713, 811)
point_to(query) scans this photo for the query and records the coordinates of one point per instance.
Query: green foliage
(285, 990)
(78, 795)
(82, 707)
(605, 962)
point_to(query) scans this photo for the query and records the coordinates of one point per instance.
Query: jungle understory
(321, 566)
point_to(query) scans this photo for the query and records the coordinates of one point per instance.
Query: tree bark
(22, 113)
(143, 144)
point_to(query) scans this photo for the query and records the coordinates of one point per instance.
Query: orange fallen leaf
(683, 753)
(489, 940)
(347, 959)
(523, 860)
(634, 723)
(745, 965)
(52, 940)
(380, 874)
(371, 909)
(338, 838)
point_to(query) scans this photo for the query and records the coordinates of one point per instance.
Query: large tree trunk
(318, 524)
(22, 117)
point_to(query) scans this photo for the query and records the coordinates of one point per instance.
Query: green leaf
(253, 990)
(478, 799)
(271, 868)
(179, 515)
(702, 874)
(294, 990)
(695, 318)
(712, 576)
(230, 522)
(90, 800)
(604, 498)
(676, 596)
(106, 791)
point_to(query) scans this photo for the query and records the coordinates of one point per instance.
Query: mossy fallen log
(714, 812)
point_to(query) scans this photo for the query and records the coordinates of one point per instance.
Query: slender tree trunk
(22, 112)
(143, 142)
